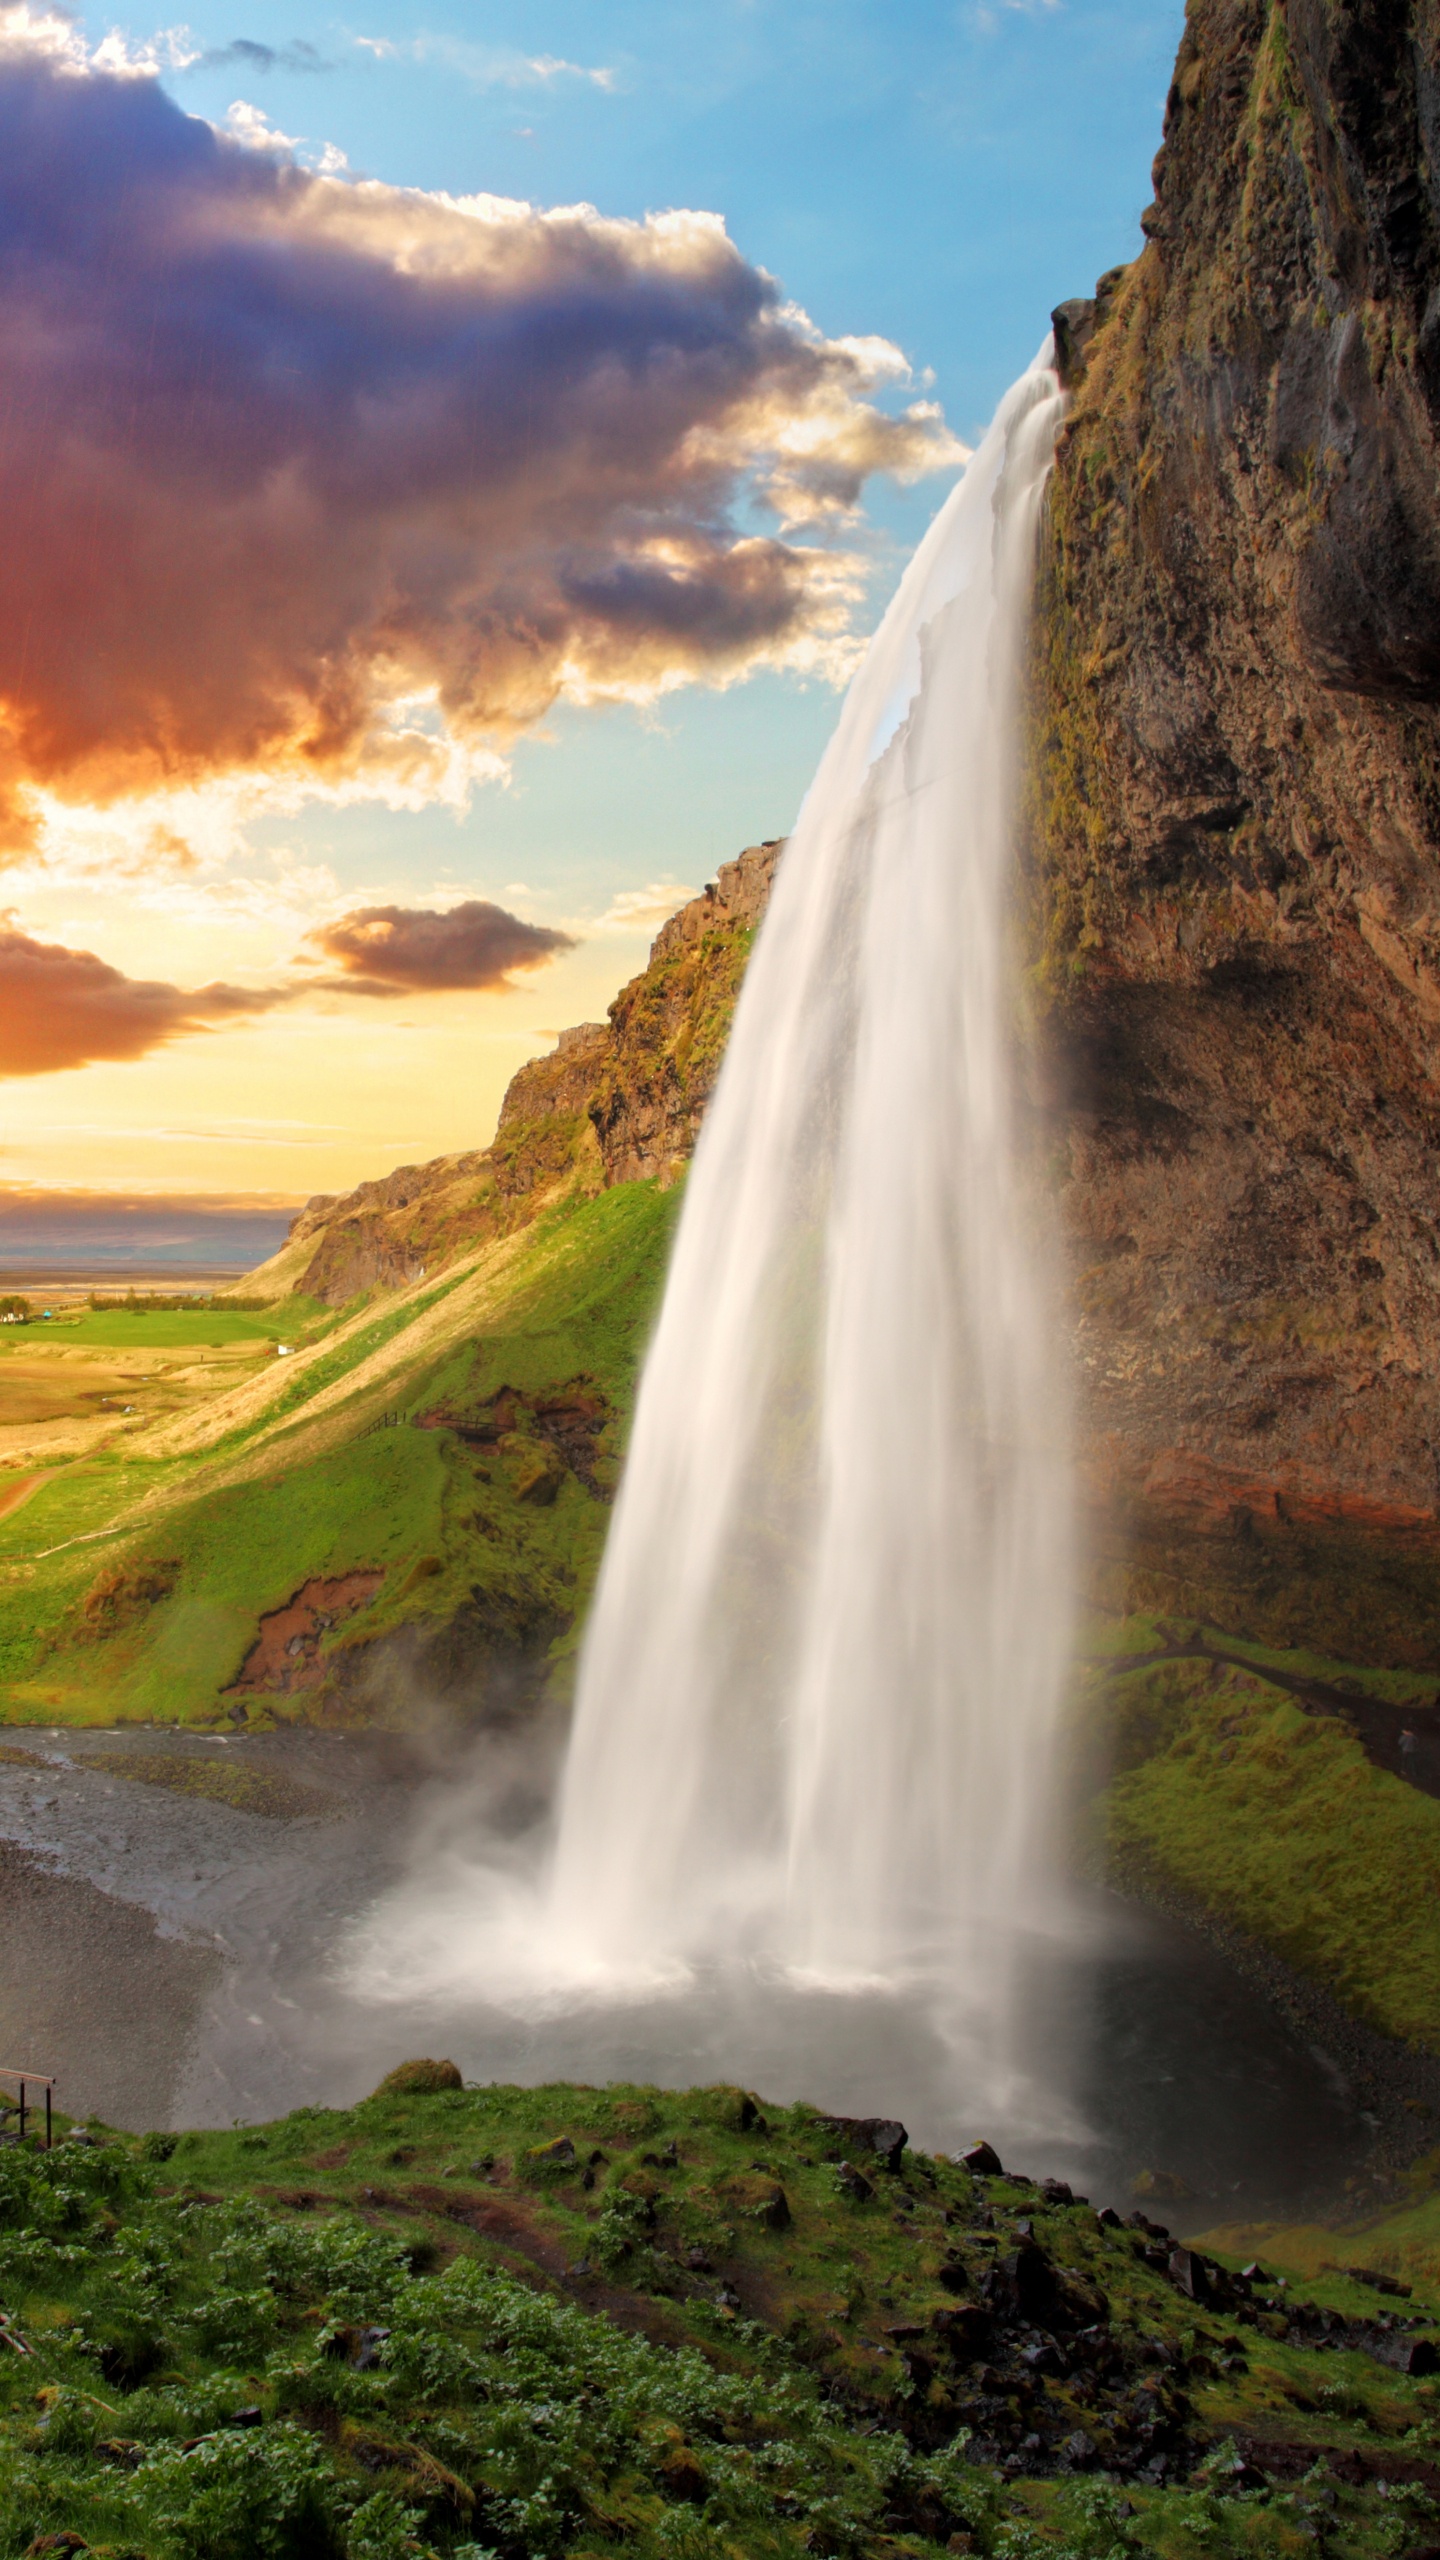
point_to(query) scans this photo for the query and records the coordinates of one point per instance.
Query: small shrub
(419, 2080)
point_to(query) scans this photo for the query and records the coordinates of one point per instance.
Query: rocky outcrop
(670, 1025)
(1236, 845)
(614, 1101)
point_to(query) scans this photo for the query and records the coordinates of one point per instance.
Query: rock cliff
(1236, 832)
(614, 1101)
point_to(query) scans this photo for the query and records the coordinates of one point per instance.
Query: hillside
(378, 1487)
(614, 1101)
(469, 2321)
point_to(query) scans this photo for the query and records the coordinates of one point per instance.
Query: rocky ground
(458, 2319)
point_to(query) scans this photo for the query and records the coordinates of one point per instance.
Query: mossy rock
(420, 2079)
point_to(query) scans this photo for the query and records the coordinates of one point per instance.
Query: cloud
(644, 910)
(61, 1008)
(487, 66)
(245, 54)
(44, 1229)
(330, 486)
(392, 951)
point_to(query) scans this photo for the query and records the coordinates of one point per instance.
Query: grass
(1277, 1822)
(505, 2324)
(303, 1488)
(119, 1329)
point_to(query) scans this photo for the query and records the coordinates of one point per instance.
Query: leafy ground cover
(572, 2321)
(1213, 1779)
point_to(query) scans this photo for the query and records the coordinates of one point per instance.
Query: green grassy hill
(503, 2324)
(136, 1584)
(390, 1483)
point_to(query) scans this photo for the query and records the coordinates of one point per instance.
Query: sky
(450, 457)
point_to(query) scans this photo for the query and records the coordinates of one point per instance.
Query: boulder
(982, 2161)
(880, 2135)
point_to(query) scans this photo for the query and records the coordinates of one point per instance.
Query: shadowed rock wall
(1236, 848)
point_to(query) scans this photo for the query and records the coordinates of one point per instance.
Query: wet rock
(1024, 2283)
(1407, 2354)
(1079, 2451)
(1378, 2282)
(1073, 327)
(965, 2328)
(1142, 2222)
(1192, 2274)
(1055, 2191)
(982, 2161)
(549, 2157)
(853, 2182)
(772, 2209)
(881, 2135)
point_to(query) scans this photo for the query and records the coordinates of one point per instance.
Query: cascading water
(817, 1691)
(812, 1747)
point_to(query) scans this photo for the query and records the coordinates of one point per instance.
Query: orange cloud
(321, 480)
(394, 951)
(62, 1008)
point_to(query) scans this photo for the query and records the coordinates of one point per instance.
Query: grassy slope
(401, 2329)
(1213, 1780)
(281, 1477)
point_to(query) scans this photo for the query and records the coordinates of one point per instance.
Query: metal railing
(34, 2080)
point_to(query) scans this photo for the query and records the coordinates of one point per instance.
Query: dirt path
(15, 1495)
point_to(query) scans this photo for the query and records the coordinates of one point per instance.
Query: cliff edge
(614, 1101)
(1236, 847)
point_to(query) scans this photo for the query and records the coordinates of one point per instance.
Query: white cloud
(643, 910)
(488, 66)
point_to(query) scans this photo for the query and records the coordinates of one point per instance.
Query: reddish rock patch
(286, 1653)
(567, 1419)
(1211, 1495)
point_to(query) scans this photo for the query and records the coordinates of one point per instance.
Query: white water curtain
(817, 1695)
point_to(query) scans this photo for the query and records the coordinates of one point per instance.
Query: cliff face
(1236, 844)
(614, 1101)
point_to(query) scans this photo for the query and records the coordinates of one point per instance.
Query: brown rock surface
(614, 1101)
(1237, 838)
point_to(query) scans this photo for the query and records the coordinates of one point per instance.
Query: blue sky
(937, 176)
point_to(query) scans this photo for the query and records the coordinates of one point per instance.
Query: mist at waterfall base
(801, 1834)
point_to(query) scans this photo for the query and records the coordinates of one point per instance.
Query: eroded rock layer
(1237, 817)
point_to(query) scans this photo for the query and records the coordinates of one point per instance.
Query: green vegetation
(1356, 1593)
(531, 2323)
(1219, 1784)
(133, 1585)
(144, 1329)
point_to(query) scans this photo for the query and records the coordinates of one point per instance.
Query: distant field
(118, 1330)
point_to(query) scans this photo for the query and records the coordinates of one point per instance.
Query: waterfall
(814, 1721)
